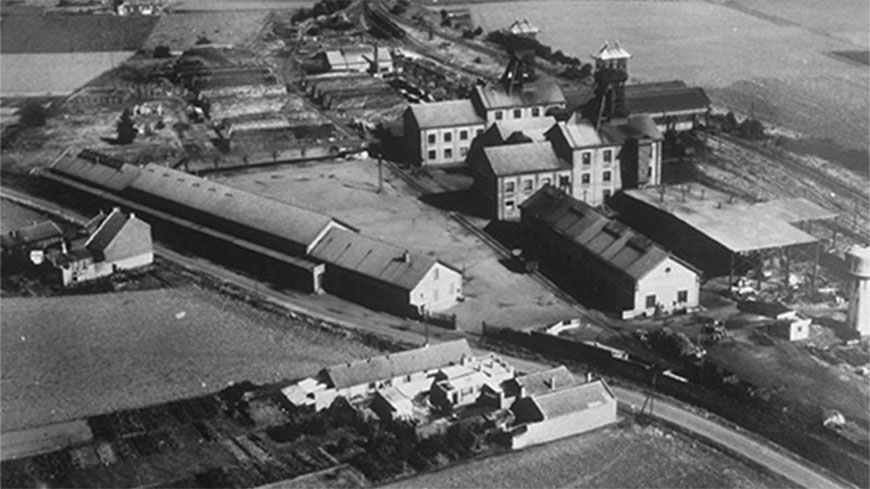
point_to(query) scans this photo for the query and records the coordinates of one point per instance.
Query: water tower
(858, 263)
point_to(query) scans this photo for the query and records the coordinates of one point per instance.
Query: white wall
(571, 424)
(593, 192)
(520, 192)
(458, 147)
(439, 289)
(665, 281)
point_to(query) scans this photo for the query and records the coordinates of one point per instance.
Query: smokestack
(406, 257)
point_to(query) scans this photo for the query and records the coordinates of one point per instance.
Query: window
(528, 185)
(448, 154)
(499, 115)
(433, 154)
(606, 176)
(605, 194)
(586, 158)
(518, 113)
(509, 187)
(463, 135)
(431, 139)
(536, 112)
(478, 132)
(408, 378)
(463, 150)
(436, 274)
(650, 301)
(564, 181)
(448, 136)
(509, 205)
(683, 296)
(585, 178)
(649, 172)
(608, 155)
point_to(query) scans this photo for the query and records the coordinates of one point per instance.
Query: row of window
(586, 178)
(448, 136)
(607, 157)
(529, 185)
(682, 298)
(448, 153)
(517, 113)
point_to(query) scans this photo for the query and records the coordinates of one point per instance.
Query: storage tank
(858, 264)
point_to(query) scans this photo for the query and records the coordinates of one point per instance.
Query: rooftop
(546, 380)
(638, 126)
(612, 242)
(445, 114)
(372, 258)
(534, 128)
(523, 27)
(611, 51)
(514, 159)
(108, 229)
(657, 98)
(540, 92)
(568, 401)
(96, 169)
(736, 225)
(31, 234)
(397, 364)
(580, 133)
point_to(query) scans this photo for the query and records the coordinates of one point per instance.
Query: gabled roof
(373, 258)
(445, 114)
(540, 92)
(665, 97)
(514, 159)
(611, 51)
(290, 222)
(551, 380)
(535, 128)
(523, 27)
(96, 169)
(397, 364)
(612, 242)
(569, 401)
(31, 234)
(579, 133)
(106, 232)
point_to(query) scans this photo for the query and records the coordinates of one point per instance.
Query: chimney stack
(406, 257)
(553, 383)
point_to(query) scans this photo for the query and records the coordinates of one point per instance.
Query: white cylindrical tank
(858, 263)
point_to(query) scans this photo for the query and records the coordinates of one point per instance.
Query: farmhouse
(440, 134)
(561, 412)
(602, 260)
(717, 233)
(384, 276)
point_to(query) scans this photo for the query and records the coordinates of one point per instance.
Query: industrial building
(858, 263)
(673, 105)
(718, 234)
(602, 261)
(440, 134)
(360, 59)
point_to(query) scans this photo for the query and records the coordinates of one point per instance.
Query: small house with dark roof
(440, 134)
(20, 243)
(505, 176)
(561, 412)
(386, 277)
(602, 261)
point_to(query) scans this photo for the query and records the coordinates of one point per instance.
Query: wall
(134, 239)
(571, 424)
(665, 282)
(593, 192)
(506, 212)
(457, 146)
(438, 290)
(508, 114)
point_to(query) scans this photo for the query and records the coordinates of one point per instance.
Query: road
(761, 453)
(357, 318)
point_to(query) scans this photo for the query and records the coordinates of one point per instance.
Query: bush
(752, 129)
(126, 129)
(32, 115)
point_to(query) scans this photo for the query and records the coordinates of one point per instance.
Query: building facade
(440, 134)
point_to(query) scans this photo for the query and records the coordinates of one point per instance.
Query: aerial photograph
(458, 244)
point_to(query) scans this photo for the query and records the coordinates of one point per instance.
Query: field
(213, 5)
(14, 216)
(53, 74)
(631, 456)
(751, 63)
(180, 31)
(348, 191)
(68, 357)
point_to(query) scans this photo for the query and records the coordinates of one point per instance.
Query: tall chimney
(406, 257)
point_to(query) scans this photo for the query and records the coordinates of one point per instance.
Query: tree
(162, 52)
(126, 128)
(32, 115)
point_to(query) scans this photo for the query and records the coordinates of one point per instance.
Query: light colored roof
(612, 242)
(794, 210)
(738, 226)
(296, 224)
(540, 92)
(397, 364)
(569, 401)
(534, 127)
(96, 169)
(580, 133)
(523, 26)
(372, 258)
(445, 114)
(542, 382)
(608, 52)
(355, 55)
(514, 159)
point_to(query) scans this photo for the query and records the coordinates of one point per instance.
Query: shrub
(162, 52)
(32, 115)
(126, 129)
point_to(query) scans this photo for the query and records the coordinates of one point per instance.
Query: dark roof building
(673, 105)
(37, 236)
(445, 114)
(530, 99)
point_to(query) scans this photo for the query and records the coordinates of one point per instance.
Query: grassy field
(14, 216)
(180, 31)
(348, 191)
(623, 457)
(776, 69)
(69, 357)
(53, 74)
(215, 5)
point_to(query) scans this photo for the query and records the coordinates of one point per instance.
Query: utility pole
(380, 173)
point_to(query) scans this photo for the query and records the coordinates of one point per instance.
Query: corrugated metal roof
(397, 364)
(611, 241)
(540, 92)
(89, 167)
(663, 100)
(569, 401)
(445, 114)
(372, 258)
(513, 159)
(270, 216)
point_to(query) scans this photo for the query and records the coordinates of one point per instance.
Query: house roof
(569, 401)
(523, 26)
(543, 381)
(540, 92)
(31, 234)
(580, 133)
(513, 159)
(96, 169)
(665, 97)
(290, 222)
(535, 128)
(611, 51)
(107, 230)
(738, 226)
(397, 364)
(612, 242)
(356, 55)
(372, 258)
(638, 126)
(445, 114)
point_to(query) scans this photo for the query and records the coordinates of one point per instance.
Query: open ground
(626, 455)
(68, 357)
(348, 191)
